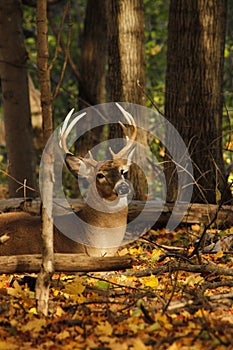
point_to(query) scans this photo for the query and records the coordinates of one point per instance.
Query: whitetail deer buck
(103, 218)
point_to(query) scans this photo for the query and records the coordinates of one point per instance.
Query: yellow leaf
(33, 311)
(75, 287)
(7, 345)
(174, 346)
(91, 343)
(154, 50)
(196, 227)
(151, 281)
(16, 290)
(218, 195)
(34, 325)
(138, 344)
(75, 290)
(154, 327)
(135, 251)
(119, 346)
(193, 280)
(201, 313)
(123, 252)
(104, 328)
(56, 292)
(156, 255)
(218, 255)
(59, 311)
(106, 339)
(63, 335)
(134, 327)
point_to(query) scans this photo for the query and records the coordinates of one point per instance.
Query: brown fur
(24, 232)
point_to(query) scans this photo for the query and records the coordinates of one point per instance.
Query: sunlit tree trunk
(126, 64)
(47, 266)
(14, 81)
(194, 97)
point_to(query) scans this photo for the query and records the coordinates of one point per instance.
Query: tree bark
(93, 69)
(126, 74)
(126, 50)
(17, 118)
(64, 263)
(93, 55)
(47, 267)
(194, 99)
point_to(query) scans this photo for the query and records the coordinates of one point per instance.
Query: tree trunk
(93, 55)
(126, 64)
(92, 68)
(13, 73)
(126, 50)
(194, 100)
(47, 266)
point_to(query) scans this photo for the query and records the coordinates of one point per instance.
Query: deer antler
(129, 140)
(65, 131)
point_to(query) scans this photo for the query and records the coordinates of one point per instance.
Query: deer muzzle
(122, 188)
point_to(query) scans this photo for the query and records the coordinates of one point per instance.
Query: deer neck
(99, 204)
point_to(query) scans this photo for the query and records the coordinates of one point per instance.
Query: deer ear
(77, 166)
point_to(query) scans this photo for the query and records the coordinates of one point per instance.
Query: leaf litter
(170, 300)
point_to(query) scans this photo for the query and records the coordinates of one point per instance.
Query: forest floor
(171, 299)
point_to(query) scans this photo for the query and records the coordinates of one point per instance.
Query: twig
(149, 98)
(196, 249)
(58, 37)
(174, 266)
(22, 184)
(66, 54)
(172, 293)
(91, 100)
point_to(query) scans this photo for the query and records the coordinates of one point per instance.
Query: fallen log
(64, 263)
(68, 260)
(172, 267)
(196, 213)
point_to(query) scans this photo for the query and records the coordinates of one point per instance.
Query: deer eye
(100, 176)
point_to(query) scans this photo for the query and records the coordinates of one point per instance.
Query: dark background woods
(173, 56)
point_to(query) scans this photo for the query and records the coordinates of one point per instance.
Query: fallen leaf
(104, 328)
(63, 335)
(34, 325)
(59, 311)
(218, 255)
(8, 345)
(137, 344)
(150, 281)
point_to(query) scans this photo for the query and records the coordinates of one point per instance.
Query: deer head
(107, 195)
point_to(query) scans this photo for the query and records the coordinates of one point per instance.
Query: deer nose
(122, 188)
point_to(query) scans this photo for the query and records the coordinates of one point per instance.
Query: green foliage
(227, 125)
(156, 22)
(68, 93)
(156, 30)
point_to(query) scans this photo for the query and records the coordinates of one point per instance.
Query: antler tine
(129, 140)
(127, 115)
(91, 160)
(67, 118)
(65, 131)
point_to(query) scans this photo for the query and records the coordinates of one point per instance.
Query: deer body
(21, 234)
(102, 221)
